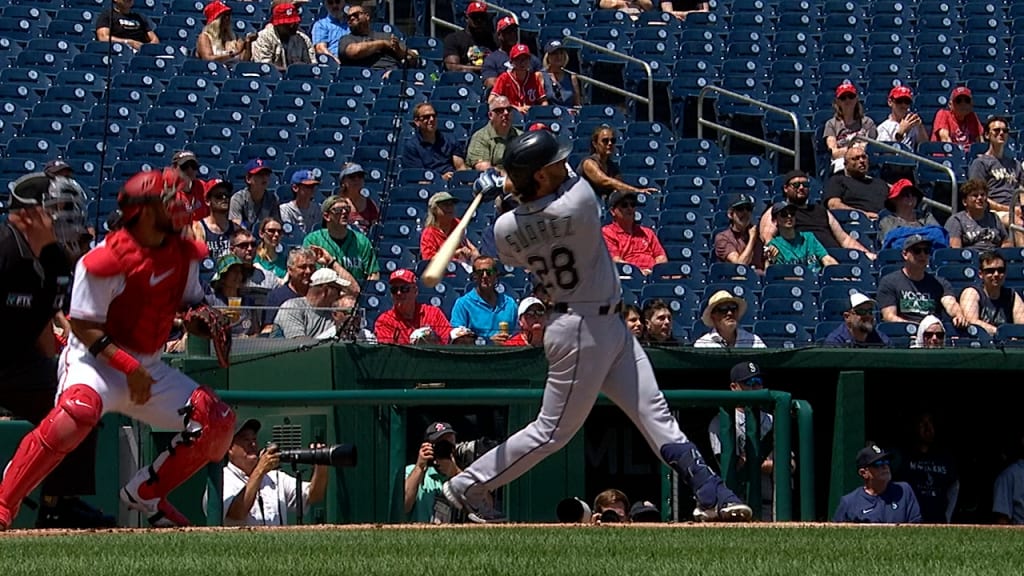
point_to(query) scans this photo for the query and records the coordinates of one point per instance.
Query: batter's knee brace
(210, 422)
(77, 412)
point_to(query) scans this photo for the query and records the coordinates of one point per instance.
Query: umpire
(37, 243)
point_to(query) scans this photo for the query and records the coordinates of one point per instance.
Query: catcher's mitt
(209, 323)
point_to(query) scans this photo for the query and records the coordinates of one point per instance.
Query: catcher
(125, 297)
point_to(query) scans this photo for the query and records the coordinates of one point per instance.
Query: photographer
(435, 463)
(255, 492)
(610, 506)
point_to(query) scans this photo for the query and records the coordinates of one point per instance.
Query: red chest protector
(141, 317)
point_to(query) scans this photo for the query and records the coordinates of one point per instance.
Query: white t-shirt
(275, 498)
(744, 339)
(887, 133)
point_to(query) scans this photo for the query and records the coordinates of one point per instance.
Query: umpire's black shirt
(32, 290)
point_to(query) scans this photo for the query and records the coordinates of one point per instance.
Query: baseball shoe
(73, 512)
(5, 518)
(476, 502)
(728, 508)
(158, 511)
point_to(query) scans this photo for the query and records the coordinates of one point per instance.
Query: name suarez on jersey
(544, 231)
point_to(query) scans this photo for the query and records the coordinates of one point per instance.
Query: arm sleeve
(815, 246)
(830, 129)
(262, 51)
(384, 329)
(953, 226)
(886, 292)
(976, 171)
(887, 131)
(941, 121)
(656, 248)
(609, 241)
(501, 86)
(289, 318)
(460, 316)
(230, 490)
(491, 67)
(91, 295)
(320, 32)
(477, 150)
(236, 203)
(947, 288)
(342, 45)
(870, 129)
(913, 508)
(429, 244)
(833, 189)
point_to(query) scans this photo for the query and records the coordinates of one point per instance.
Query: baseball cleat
(159, 512)
(476, 502)
(729, 512)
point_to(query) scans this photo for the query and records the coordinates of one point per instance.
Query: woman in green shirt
(271, 256)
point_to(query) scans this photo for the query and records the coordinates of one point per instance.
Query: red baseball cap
(476, 8)
(506, 22)
(403, 276)
(897, 189)
(900, 92)
(214, 9)
(846, 87)
(537, 126)
(960, 91)
(285, 14)
(209, 185)
(517, 51)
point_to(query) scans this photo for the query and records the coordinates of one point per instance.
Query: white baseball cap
(459, 332)
(325, 276)
(528, 302)
(856, 299)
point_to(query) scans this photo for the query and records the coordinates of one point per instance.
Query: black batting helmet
(528, 153)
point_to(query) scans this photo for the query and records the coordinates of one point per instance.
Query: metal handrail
(647, 68)
(702, 122)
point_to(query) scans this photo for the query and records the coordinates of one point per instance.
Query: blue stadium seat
(784, 333)
(900, 333)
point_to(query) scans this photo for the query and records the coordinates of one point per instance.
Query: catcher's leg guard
(77, 412)
(209, 426)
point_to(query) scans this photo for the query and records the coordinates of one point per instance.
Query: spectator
(435, 464)
(466, 49)
(496, 62)
(441, 221)
(258, 283)
(217, 41)
(462, 336)
(368, 49)
(310, 316)
(847, 123)
(858, 329)
(600, 170)
(610, 507)
(792, 247)
(256, 493)
(343, 247)
(740, 242)
(216, 229)
(902, 203)
(854, 189)
(902, 125)
(682, 8)
(633, 319)
(992, 304)
(301, 212)
(561, 87)
(1008, 490)
(227, 285)
(364, 210)
(722, 314)
(1001, 172)
(270, 255)
(658, 323)
(958, 124)
(430, 149)
(522, 86)
(122, 25)
(976, 226)
(629, 242)
(483, 309)
(532, 313)
(301, 265)
(745, 377)
(911, 293)
(250, 205)
(347, 323)
(487, 145)
(397, 326)
(187, 165)
(811, 217)
(880, 500)
(282, 43)
(329, 30)
(931, 473)
(930, 334)
(644, 511)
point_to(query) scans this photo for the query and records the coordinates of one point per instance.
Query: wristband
(123, 362)
(332, 262)
(100, 345)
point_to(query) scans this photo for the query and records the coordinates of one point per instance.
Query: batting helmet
(153, 186)
(528, 153)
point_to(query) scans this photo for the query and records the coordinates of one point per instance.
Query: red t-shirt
(529, 93)
(431, 239)
(638, 248)
(197, 195)
(964, 133)
(392, 329)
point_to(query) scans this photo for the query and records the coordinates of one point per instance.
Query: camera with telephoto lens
(338, 456)
(443, 450)
(610, 516)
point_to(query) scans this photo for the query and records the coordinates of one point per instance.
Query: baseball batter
(556, 233)
(125, 295)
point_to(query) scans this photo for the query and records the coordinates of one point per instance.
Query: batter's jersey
(558, 237)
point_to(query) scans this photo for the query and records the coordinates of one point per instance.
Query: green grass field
(524, 550)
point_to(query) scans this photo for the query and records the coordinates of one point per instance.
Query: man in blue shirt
(430, 149)
(858, 328)
(483, 309)
(880, 500)
(328, 30)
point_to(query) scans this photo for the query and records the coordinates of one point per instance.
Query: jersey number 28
(562, 268)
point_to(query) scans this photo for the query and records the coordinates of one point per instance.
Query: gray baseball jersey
(558, 237)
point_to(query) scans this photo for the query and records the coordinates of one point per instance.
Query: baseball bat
(439, 263)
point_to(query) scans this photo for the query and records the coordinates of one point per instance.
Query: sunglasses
(244, 245)
(994, 270)
(863, 311)
(962, 100)
(727, 308)
(787, 214)
(506, 110)
(534, 313)
(274, 231)
(344, 310)
(906, 101)
(218, 196)
(339, 211)
(426, 116)
(800, 184)
(485, 272)
(353, 15)
(609, 140)
(918, 250)
(754, 382)
(999, 130)
(846, 97)
(934, 335)
(403, 289)
(879, 463)
(190, 166)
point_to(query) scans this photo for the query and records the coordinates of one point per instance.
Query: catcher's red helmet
(150, 186)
